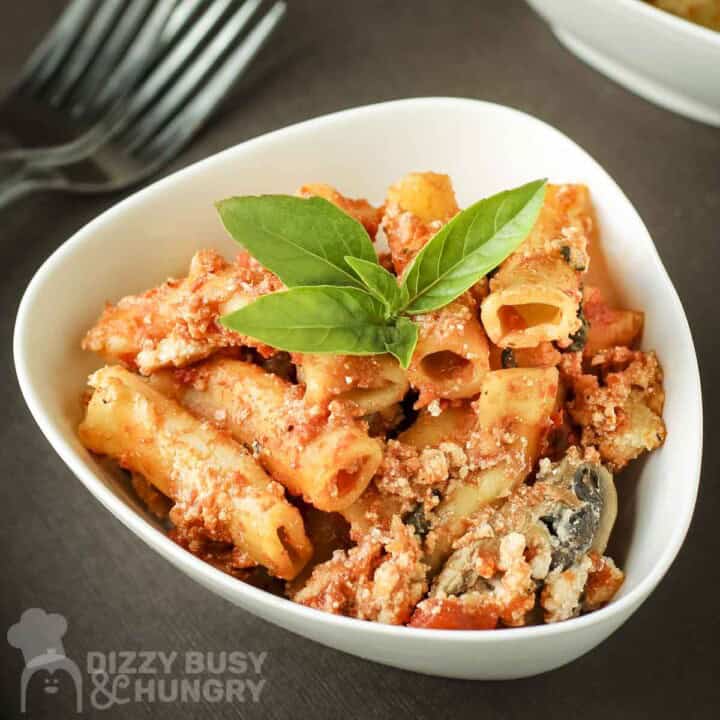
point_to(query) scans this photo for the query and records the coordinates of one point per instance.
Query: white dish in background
(661, 57)
(485, 148)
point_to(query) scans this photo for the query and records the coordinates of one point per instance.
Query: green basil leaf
(304, 241)
(402, 340)
(318, 319)
(474, 242)
(382, 284)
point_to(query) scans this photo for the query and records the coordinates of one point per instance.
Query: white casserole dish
(663, 58)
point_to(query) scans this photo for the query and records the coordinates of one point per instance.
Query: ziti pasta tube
(453, 424)
(452, 353)
(513, 415)
(416, 207)
(374, 383)
(375, 508)
(329, 464)
(609, 327)
(175, 324)
(535, 295)
(213, 480)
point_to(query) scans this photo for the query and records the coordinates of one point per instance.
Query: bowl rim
(671, 20)
(211, 577)
(654, 14)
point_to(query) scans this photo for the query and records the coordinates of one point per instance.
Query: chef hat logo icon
(38, 635)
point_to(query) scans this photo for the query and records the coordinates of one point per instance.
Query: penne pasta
(416, 208)
(176, 324)
(513, 416)
(374, 383)
(452, 354)
(328, 532)
(328, 462)
(372, 510)
(214, 482)
(617, 400)
(452, 424)
(536, 293)
(382, 578)
(608, 328)
(427, 195)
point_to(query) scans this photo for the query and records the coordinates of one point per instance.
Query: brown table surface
(61, 551)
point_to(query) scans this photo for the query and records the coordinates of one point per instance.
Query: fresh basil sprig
(323, 318)
(340, 299)
(380, 283)
(303, 241)
(474, 242)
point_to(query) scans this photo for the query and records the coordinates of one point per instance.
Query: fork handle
(57, 155)
(24, 183)
(12, 190)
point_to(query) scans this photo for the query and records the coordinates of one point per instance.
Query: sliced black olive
(407, 406)
(572, 530)
(586, 483)
(507, 358)
(580, 338)
(561, 555)
(281, 365)
(567, 256)
(416, 519)
(572, 533)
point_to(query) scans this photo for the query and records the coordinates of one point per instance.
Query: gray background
(61, 551)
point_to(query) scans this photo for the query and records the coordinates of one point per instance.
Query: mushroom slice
(579, 509)
(608, 514)
(545, 537)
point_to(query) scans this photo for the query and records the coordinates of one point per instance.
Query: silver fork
(85, 65)
(164, 112)
(183, 34)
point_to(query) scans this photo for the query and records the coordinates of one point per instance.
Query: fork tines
(139, 78)
(102, 52)
(205, 64)
(93, 54)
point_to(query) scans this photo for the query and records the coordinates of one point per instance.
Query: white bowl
(661, 57)
(485, 148)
